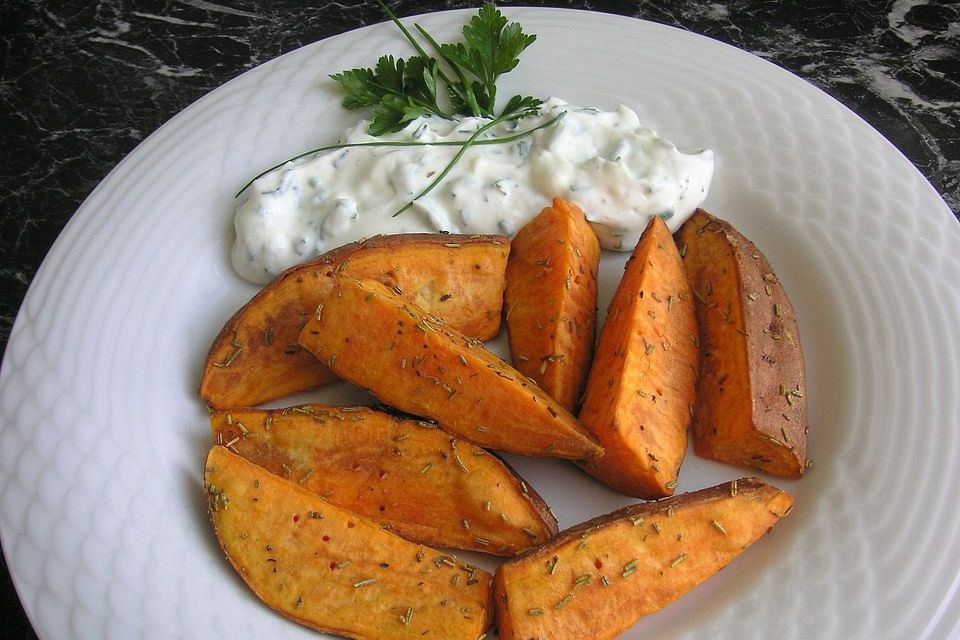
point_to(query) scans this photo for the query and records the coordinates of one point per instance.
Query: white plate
(101, 450)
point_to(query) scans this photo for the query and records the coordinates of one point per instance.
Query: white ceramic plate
(102, 513)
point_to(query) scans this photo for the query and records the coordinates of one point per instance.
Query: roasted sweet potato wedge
(411, 477)
(332, 570)
(413, 361)
(751, 408)
(551, 300)
(643, 380)
(596, 579)
(256, 358)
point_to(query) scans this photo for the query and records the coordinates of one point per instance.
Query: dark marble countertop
(81, 84)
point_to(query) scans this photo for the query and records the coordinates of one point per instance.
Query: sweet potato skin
(412, 361)
(256, 358)
(643, 380)
(596, 579)
(751, 408)
(332, 570)
(551, 300)
(411, 477)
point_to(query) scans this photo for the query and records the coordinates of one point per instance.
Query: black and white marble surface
(82, 83)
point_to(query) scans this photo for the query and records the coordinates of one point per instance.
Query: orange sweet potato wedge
(413, 361)
(409, 476)
(643, 380)
(751, 409)
(551, 300)
(256, 358)
(596, 579)
(332, 570)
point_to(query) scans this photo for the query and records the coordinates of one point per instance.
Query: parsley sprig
(462, 82)
(400, 90)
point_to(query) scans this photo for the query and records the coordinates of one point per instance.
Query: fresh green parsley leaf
(521, 107)
(399, 90)
(492, 47)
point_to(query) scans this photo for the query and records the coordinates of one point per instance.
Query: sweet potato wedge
(256, 358)
(551, 300)
(332, 570)
(596, 579)
(643, 380)
(411, 360)
(751, 409)
(411, 477)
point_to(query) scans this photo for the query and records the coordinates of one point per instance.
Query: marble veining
(81, 84)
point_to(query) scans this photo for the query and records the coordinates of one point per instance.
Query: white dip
(617, 171)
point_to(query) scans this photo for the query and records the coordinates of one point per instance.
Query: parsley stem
(403, 29)
(466, 94)
(405, 143)
(416, 45)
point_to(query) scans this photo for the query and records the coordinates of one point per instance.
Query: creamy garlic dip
(620, 173)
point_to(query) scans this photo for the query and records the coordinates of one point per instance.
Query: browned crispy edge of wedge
(596, 579)
(411, 360)
(551, 300)
(333, 570)
(412, 477)
(256, 359)
(751, 408)
(643, 380)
